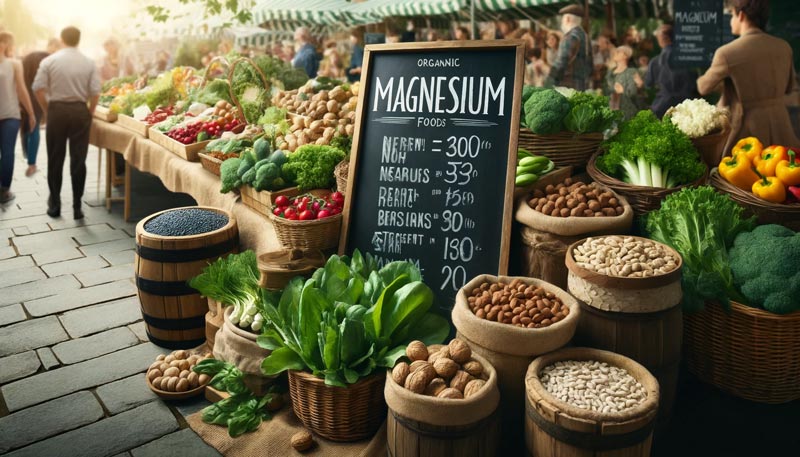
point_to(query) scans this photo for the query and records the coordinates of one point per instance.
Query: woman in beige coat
(755, 73)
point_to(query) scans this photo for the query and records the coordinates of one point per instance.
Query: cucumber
(533, 160)
(548, 169)
(526, 179)
(535, 168)
(522, 153)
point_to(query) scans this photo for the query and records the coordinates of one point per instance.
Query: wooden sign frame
(480, 45)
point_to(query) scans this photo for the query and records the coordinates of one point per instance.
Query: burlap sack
(441, 411)
(511, 349)
(273, 438)
(239, 348)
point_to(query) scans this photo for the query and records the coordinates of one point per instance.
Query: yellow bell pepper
(788, 171)
(769, 159)
(738, 171)
(770, 188)
(750, 146)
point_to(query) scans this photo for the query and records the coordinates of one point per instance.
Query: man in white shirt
(67, 87)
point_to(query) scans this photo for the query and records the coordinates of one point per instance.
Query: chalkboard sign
(698, 32)
(374, 38)
(433, 159)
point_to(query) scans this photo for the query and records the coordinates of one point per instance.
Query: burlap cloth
(273, 438)
(178, 175)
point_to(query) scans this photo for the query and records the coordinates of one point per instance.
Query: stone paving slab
(183, 443)
(85, 239)
(11, 314)
(42, 242)
(72, 378)
(31, 334)
(108, 436)
(119, 257)
(125, 394)
(109, 246)
(18, 366)
(39, 228)
(98, 318)
(62, 285)
(7, 252)
(78, 350)
(48, 419)
(80, 298)
(20, 276)
(104, 275)
(49, 360)
(9, 223)
(16, 262)
(139, 330)
(57, 255)
(74, 266)
(20, 231)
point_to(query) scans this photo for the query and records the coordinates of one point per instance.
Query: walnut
(451, 393)
(416, 350)
(436, 386)
(417, 381)
(302, 441)
(444, 352)
(473, 367)
(435, 348)
(459, 351)
(445, 367)
(400, 373)
(460, 380)
(473, 387)
(427, 368)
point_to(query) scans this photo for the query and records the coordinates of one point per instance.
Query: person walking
(12, 93)
(623, 82)
(30, 140)
(673, 85)
(65, 84)
(573, 64)
(754, 73)
(306, 57)
(357, 56)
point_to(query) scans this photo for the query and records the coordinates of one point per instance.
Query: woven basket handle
(219, 59)
(230, 78)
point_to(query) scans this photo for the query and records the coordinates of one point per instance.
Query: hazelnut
(459, 351)
(400, 373)
(160, 357)
(302, 441)
(473, 387)
(172, 371)
(193, 379)
(172, 383)
(444, 352)
(169, 358)
(203, 379)
(153, 374)
(183, 365)
(460, 380)
(416, 350)
(451, 393)
(436, 386)
(180, 355)
(157, 382)
(163, 367)
(417, 381)
(155, 364)
(445, 367)
(182, 385)
(473, 367)
(184, 374)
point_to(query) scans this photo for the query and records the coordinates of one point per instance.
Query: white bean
(592, 385)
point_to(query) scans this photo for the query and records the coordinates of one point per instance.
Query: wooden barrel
(174, 313)
(425, 426)
(213, 321)
(639, 318)
(554, 427)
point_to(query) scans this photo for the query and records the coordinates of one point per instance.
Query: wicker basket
(711, 146)
(767, 212)
(316, 234)
(210, 163)
(339, 413)
(563, 148)
(747, 352)
(262, 201)
(341, 173)
(643, 199)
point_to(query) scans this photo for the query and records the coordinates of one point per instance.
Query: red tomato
(323, 214)
(282, 200)
(278, 211)
(306, 215)
(336, 210)
(338, 198)
(290, 213)
(296, 201)
(315, 206)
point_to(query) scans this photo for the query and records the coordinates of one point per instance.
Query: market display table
(178, 175)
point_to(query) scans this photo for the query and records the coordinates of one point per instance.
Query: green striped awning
(402, 8)
(307, 12)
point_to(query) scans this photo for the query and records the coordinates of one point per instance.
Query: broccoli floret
(250, 176)
(266, 177)
(246, 164)
(545, 111)
(765, 267)
(229, 175)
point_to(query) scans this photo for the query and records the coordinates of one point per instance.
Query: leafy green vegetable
(765, 267)
(648, 152)
(701, 224)
(348, 319)
(311, 166)
(590, 113)
(118, 81)
(231, 280)
(214, 91)
(162, 92)
(343, 142)
(272, 115)
(545, 110)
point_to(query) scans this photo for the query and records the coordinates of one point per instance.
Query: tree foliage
(238, 10)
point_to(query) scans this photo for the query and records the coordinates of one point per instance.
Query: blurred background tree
(17, 18)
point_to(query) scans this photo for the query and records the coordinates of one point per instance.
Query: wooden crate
(105, 114)
(262, 201)
(188, 152)
(129, 123)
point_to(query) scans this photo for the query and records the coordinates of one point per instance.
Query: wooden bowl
(621, 282)
(176, 395)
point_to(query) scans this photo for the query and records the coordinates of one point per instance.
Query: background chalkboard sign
(431, 186)
(698, 32)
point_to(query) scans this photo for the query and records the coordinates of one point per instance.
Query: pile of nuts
(626, 257)
(592, 385)
(576, 199)
(322, 114)
(173, 373)
(440, 371)
(516, 304)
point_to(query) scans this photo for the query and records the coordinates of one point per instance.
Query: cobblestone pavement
(73, 348)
